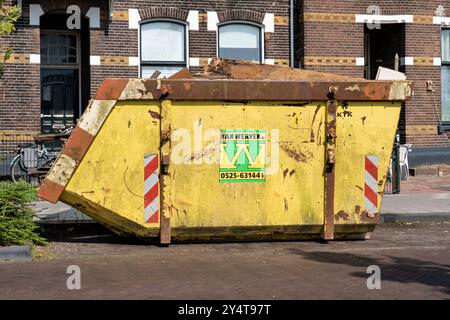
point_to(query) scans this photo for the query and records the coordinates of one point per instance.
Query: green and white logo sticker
(242, 155)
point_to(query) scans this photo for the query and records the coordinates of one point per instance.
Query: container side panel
(220, 178)
(365, 138)
(111, 174)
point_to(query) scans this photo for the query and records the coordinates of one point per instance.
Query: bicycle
(33, 160)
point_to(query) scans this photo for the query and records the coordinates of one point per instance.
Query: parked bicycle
(33, 160)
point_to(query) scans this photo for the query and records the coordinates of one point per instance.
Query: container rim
(248, 90)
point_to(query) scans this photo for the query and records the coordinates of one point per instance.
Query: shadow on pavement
(86, 233)
(394, 269)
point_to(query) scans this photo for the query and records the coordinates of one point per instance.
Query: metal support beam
(328, 230)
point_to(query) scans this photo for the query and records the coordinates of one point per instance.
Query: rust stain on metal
(154, 115)
(363, 119)
(111, 89)
(375, 91)
(165, 136)
(367, 216)
(291, 152)
(300, 104)
(187, 85)
(166, 89)
(214, 89)
(291, 173)
(151, 86)
(341, 215)
(165, 230)
(331, 126)
(330, 172)
(359, 187)
(205, 153)
(285, 205)
(319, 142)
(285, 171)
(312, 123)
(263, 80)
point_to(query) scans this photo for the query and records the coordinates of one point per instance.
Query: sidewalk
(421, 199)
(59, 213)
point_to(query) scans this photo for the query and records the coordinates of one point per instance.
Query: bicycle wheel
(17, 172)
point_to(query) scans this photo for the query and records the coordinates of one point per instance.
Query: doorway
(64, 72)
(382, 46)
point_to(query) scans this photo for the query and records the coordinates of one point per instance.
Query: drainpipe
(291, 33)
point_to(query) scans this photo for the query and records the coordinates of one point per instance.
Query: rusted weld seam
(330, 136)
(164, 149)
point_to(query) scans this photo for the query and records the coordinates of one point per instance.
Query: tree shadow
(394, 269)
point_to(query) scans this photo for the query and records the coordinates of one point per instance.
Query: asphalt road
(414, 262)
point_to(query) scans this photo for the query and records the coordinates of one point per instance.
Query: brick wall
(327, 39)
(115, 42)
(20, 85)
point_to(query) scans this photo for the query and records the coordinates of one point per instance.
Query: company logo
(242, 155)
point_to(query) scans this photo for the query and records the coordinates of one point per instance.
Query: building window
(163, 48)
(445, 76)
(59, 48)
(240, 41)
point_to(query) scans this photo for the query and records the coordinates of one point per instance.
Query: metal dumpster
(217, 157)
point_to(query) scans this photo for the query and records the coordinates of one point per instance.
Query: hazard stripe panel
(151, 188)
(371, 185)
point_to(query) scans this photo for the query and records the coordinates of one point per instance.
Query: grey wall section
(429, 156)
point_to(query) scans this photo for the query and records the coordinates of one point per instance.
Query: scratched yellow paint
(293, 195)
(108, 183)
(366, 128)
(111, 173)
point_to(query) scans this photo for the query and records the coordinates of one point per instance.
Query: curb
(15, 253)
(437, 217)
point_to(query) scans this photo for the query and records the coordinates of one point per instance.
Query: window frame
(445, 124)
(69, 66)
(184, 64)
(244, 22)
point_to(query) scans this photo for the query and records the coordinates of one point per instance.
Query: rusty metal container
(286, 154)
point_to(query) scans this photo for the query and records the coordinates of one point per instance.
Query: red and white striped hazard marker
(371, 185)
(151, 188)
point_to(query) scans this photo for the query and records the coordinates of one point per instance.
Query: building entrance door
(65, 80)
(60, 68)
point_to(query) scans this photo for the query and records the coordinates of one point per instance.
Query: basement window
(163, 48)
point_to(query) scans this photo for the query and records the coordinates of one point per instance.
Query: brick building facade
(333, 36)
(110, 44)
(415, 29)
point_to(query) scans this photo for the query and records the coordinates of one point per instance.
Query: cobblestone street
(414, 262)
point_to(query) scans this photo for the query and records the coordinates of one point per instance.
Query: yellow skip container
(228, 158)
